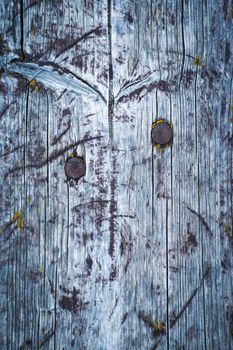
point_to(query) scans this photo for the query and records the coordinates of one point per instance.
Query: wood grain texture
(138, 253)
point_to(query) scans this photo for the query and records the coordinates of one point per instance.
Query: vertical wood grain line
(24, 196)
(110, 73)
(183, 42)
(167, 296)
(113, 205)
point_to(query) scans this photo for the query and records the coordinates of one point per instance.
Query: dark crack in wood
(22, 30)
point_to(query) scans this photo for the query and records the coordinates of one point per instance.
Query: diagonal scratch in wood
(203, 221)
(148, 319)
(129, 84)
(91, 204)
(6, 109)
(175, 318)
(6, 227)
(114, 307)
(54, 155)
(48, 335)
(148, 84)
(56, 139)
(83, 37)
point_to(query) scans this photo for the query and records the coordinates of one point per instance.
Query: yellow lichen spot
(158, 121)
(159, 327)
(20, 223)
(197, 61)
(158, 146)
(27, 200)
(33, 84)
(18, 217)
(72, 155)
(41, 269)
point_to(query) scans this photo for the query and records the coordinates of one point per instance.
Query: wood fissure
(110, 74)
(21, 5)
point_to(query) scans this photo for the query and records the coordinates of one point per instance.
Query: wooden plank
(214, 86)
(138, 253)
(54, 262)
(186, 271)
(146, 178)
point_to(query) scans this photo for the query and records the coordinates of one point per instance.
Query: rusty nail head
(75, 168)
(161, 133)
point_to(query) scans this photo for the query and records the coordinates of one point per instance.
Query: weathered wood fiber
(138, 253)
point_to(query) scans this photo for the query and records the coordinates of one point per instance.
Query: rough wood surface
(138, 253)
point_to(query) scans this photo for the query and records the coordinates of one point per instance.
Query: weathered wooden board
(138, 253)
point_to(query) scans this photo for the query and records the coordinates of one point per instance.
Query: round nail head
(75, 168)
(161, 133)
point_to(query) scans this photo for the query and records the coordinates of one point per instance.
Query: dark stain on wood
(89, 263)
(128, 17)
(113, 273)
(73, 301)
(191, 333)
(227, 52)
(57, 138)
(124, 317)
(225, 8)
(26, 345)
(229, 317)
(126, 245)
(190, 243)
